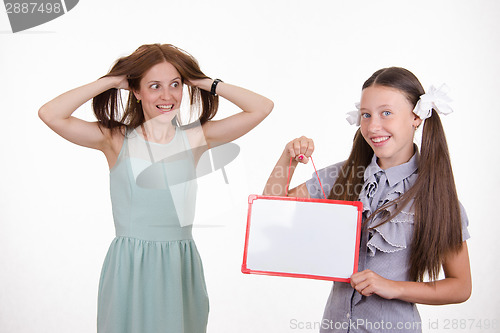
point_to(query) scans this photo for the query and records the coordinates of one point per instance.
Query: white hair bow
(354, 117)
(436, 99)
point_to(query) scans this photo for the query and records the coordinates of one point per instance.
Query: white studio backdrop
(310, 58)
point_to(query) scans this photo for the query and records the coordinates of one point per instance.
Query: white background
(310, 58)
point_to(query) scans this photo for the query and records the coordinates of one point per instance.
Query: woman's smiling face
(388, 124)
(160, 92)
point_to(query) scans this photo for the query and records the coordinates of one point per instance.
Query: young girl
(152, 278)
(413, 223)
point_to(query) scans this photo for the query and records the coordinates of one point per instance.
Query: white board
(308, 238)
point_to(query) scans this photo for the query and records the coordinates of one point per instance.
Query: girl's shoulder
(330, 173)
(324, 180)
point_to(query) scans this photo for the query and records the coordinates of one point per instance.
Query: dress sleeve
(328, 176)
(465, 223)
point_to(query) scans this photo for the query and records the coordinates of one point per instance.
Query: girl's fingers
(310, 148)
(297, 147)
(359, 279)
(291, 150)
(300, 149)
(302, 158)
(304, 144)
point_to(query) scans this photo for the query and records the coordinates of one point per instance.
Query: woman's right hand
(119, 82)
(300, 149)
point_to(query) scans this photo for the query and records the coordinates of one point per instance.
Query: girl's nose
(374, 124)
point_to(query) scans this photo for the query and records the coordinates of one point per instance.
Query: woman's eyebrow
(158, 81)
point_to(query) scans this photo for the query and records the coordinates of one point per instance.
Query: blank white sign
(308, 238)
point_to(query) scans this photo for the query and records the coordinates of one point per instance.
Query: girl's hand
(300, 149)
(368, 283)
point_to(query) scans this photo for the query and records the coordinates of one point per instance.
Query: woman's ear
(137, 94)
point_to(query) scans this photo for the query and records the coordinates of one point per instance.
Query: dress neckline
(156, 143)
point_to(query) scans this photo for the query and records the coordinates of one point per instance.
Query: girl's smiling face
(160, 92)
(388, 124)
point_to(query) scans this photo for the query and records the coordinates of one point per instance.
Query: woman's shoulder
(194, 133)
(116, 135)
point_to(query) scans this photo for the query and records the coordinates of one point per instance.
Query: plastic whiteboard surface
(307, 238)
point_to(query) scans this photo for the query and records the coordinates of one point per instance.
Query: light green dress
(152, 278)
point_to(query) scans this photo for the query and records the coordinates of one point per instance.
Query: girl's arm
(456, 287)
(299, 150)
(57, 113)
(254, 109)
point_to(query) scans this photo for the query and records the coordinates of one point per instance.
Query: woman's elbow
(43, 113)
(47, 115)
(267, 107)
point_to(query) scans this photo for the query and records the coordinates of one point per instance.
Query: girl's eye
(154, 86)
(386, 113)
(365, 115)
(174, 84)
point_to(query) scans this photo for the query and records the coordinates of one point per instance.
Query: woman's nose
(165, 94)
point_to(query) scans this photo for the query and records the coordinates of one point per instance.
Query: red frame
(253, 197)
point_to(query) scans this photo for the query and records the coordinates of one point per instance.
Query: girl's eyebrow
(383, 106)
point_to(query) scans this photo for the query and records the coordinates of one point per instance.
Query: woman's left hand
(205, 84)
(368, 283)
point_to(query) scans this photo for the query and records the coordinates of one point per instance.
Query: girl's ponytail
(437, 227)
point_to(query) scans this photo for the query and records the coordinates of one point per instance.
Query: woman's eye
(175, 84)
(154, 86)
(386, 113)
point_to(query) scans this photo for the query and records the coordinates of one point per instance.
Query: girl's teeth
(377, 140)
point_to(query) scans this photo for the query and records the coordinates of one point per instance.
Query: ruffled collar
(395, 174)
(380, 187)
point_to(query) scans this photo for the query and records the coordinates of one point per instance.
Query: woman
(152, 278)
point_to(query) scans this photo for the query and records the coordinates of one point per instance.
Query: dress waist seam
(153, 241)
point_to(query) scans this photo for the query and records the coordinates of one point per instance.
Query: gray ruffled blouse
(384, 249)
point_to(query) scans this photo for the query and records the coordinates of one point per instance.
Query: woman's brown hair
(135, 66)
(437, 226)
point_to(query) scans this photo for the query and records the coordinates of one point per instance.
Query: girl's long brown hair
(437, 226)
(106, 105)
